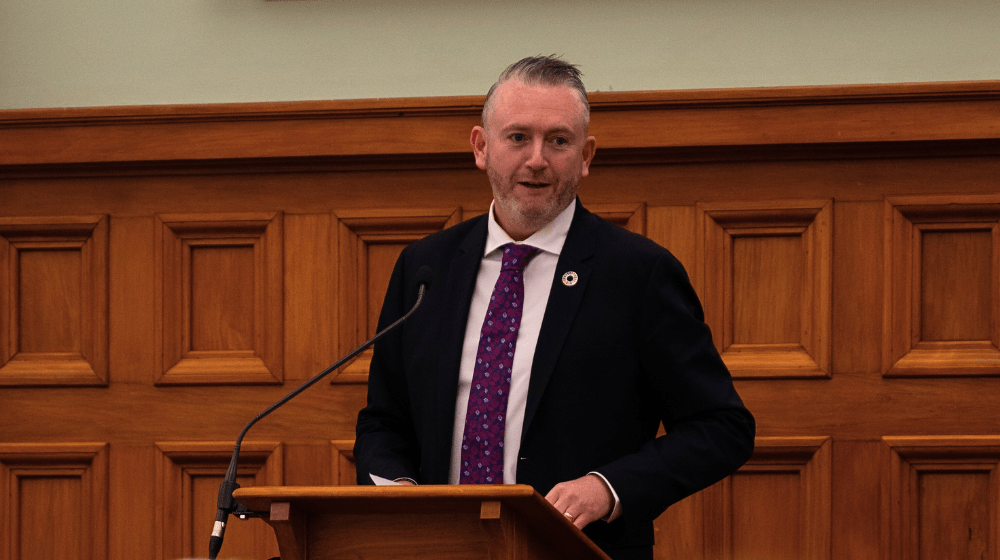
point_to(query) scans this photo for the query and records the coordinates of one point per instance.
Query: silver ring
(569, 515)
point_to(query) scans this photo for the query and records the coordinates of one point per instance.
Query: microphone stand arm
(226, 503)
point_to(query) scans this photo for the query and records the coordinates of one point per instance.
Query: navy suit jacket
(619, 352)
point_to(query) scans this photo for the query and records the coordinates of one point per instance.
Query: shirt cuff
(617, 510)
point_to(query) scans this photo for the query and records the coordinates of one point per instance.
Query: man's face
(534, 149)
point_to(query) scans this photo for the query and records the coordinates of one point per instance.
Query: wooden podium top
(361, 499)
(486, 514)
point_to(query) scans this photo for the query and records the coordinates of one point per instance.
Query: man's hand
(583, 500)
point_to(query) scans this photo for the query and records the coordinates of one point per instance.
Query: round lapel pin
(570, 278)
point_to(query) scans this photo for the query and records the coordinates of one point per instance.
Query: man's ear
(589, 149)
(478, 141)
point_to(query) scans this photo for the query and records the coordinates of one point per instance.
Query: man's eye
(517, 137)
(561, 141)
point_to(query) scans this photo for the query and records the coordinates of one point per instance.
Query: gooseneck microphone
(226, 502)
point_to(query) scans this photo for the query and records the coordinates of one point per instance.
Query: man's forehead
(515, 101)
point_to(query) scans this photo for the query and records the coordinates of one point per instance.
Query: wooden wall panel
(370, 242)
(221, 297)
(778, 505)
(943, 498)
(766, 271)
(956, 284)
(168, 272)
(53, 300)
(38, 480)
(943, 286)
(775, 506)
(189, 478)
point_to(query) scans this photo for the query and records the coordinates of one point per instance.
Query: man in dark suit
(611, 342)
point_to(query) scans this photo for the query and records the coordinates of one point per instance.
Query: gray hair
(550, 71)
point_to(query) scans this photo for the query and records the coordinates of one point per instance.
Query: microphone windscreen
(425, 275)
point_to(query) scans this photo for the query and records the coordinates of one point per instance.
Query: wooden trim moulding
(814, 115)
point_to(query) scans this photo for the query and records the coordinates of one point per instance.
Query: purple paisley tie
(482, 441)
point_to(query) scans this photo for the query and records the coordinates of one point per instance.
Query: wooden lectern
(510, 522)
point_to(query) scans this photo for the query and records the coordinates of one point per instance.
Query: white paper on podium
(379, 481)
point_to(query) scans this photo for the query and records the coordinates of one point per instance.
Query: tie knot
(515, 256)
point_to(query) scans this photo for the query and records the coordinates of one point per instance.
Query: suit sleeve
(386, 443)
(709, 431)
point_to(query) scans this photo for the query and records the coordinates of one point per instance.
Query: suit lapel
(459, 286)
(561, 309)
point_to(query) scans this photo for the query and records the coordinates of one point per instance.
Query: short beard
(531, 218)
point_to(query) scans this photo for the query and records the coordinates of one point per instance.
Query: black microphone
(424, 278)
(226, 503)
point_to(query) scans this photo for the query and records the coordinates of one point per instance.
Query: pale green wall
(57, 53)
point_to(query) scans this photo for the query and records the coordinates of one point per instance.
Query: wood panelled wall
(168, 272)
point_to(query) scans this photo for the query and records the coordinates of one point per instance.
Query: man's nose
(536, 157)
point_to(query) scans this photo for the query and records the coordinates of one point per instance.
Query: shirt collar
(550, 238)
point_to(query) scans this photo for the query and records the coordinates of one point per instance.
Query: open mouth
(533, 185)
